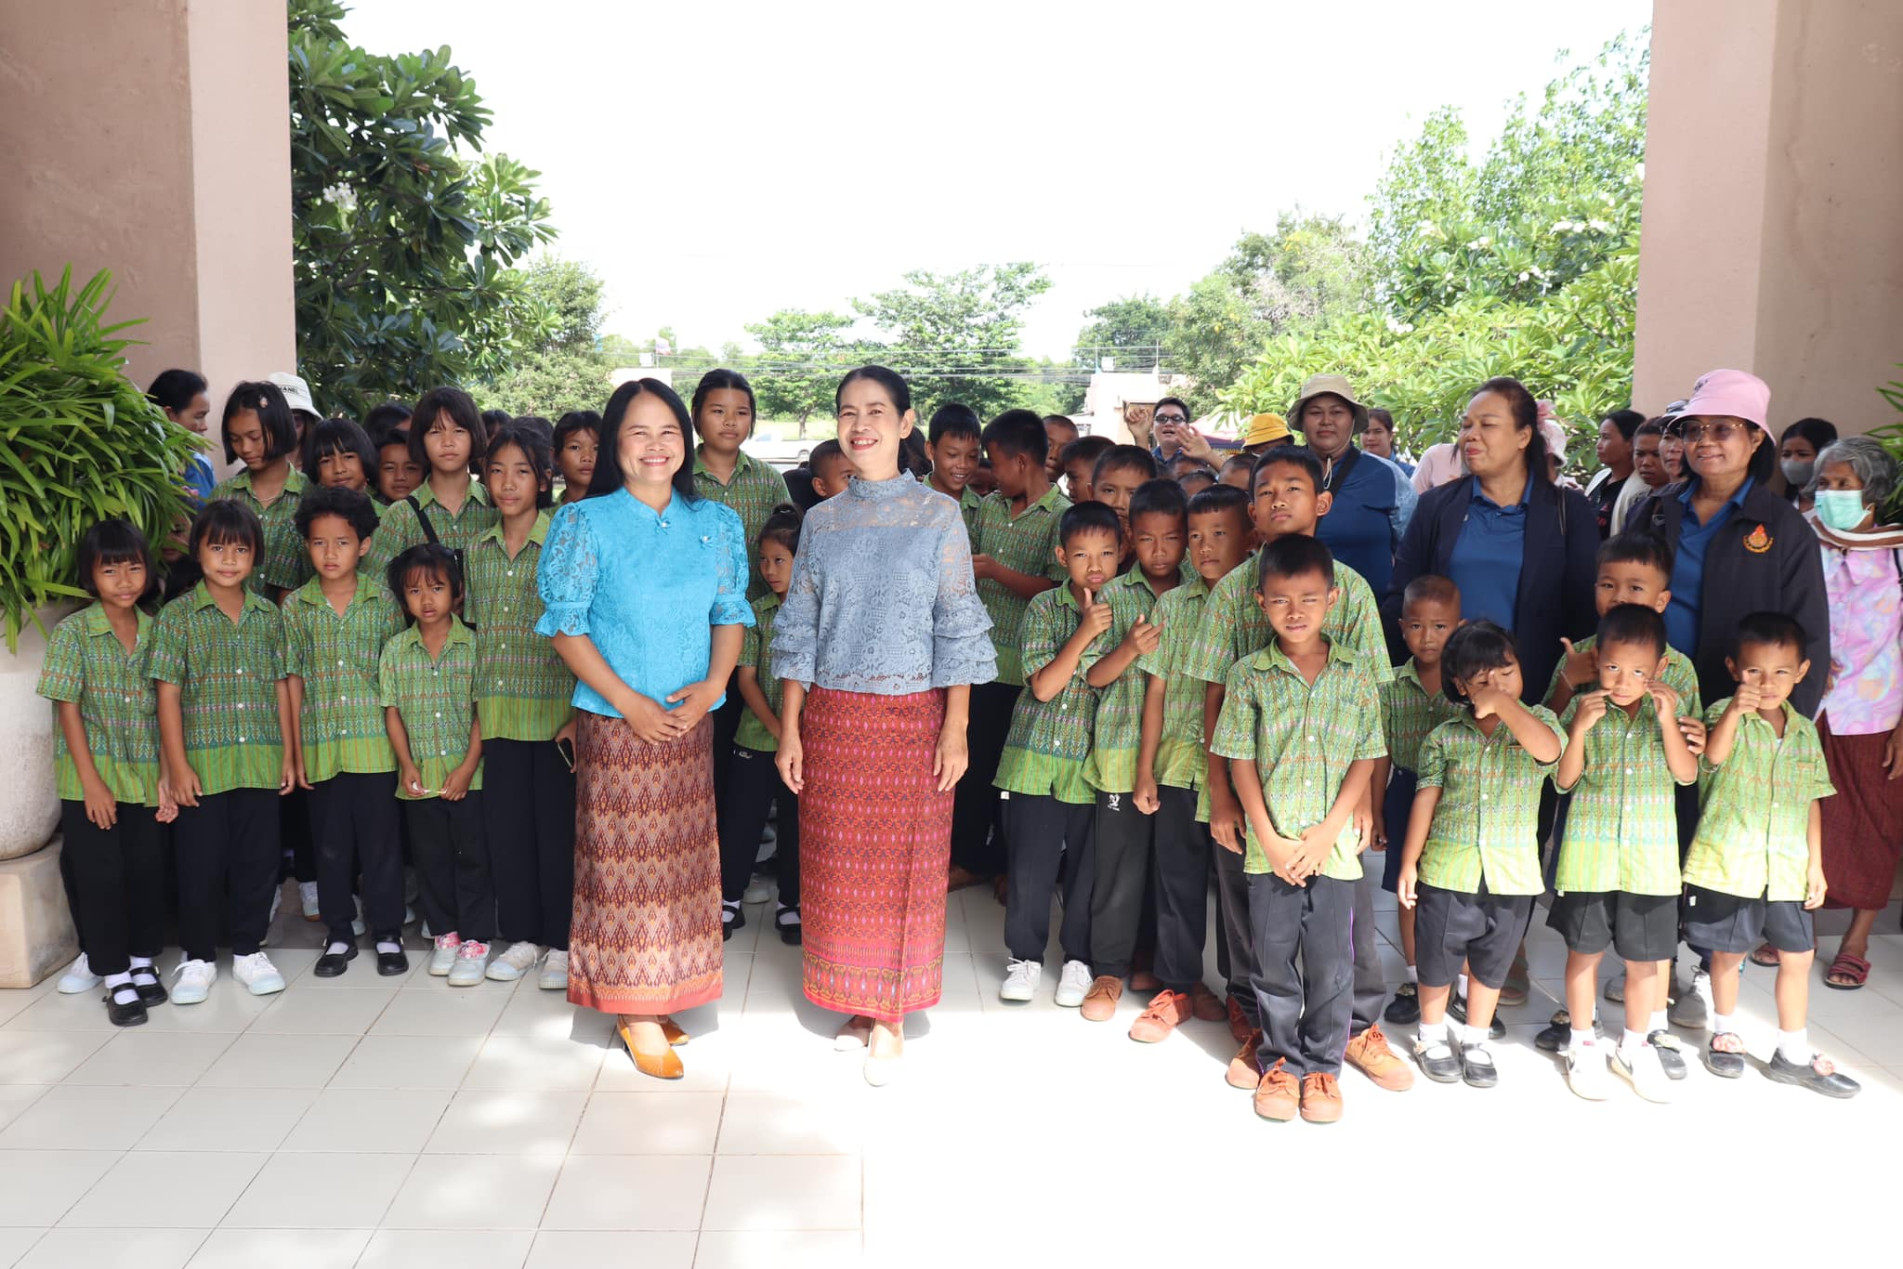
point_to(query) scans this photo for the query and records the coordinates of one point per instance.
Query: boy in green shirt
(953, 446)
(1301, 721)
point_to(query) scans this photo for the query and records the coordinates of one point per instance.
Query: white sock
(1460, 986)
(1433, 1032)
(1659, 1022)
(1629, 1046)
(1794, 1046)
(1723, 1022)
(336, 949)
(122, 980)
(1471, 1035)
(1413, 975)
(1582, 1039)
(384, 945)
(142, 962)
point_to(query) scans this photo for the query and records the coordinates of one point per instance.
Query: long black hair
(174, 389)
(529, 439)
(339, 436)
(608, 478)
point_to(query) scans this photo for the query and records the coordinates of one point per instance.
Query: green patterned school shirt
(1302, 738)
(86, 665)
(1234, 625)
(1026, 544)
(1045, 750)
(286, 563)
(1181, 762)
(227, 673)
(523, 686)
(1679, 676)
(1487, 822)
(341, 722)
(1622, 824)
(1753, 833)
(1117, 730)
(1408, 714)
(756, 650)
(399, 529)
(754, 489)
(436, 698)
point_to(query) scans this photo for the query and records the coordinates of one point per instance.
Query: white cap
(297, 393)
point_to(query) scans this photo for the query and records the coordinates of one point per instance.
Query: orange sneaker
(1278, 1096)
(1321, 1099)
(1168, 1011)
(1244, 1069)
(1369, 1053)
(1239, 1028)
(1206, 1004)
(1100, 1002)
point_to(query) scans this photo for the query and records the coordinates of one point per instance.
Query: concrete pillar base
(36, 930)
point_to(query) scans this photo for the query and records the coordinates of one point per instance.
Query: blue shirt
(1373, 503)
(1487, 557)
(647, 589)
(199, 478)
(1688, 569)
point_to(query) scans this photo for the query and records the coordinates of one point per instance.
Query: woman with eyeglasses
(1737, 547)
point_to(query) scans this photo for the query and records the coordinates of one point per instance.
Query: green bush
(79, 443)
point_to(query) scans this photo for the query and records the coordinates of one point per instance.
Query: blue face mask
(1841, 509)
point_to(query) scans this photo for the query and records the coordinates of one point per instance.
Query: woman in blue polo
(1373, 499)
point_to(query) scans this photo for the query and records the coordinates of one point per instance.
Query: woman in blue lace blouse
(646, 592)
(877, 644)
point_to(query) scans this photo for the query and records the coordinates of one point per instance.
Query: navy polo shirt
(1688, 569)
(1488, 555)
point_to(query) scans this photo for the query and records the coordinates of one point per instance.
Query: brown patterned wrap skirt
(646, 936)
(875, 841)
(1862, 824)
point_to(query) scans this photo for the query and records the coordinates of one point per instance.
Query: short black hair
(349, 505)
(1651, 427)
(1159, 498)
(117, 542)
(1063, 420)
(460, 408)
(1292, 555)
(1430, 588)
(397, 435)
(1633, 623)
(1775, 629)
(496, 420)
(1627, 421)
(1018, 432)
(266, 400)
(1181, 464)
(608, 478)
(380, 420)
(896, 389)
(1478, 646)
(572, 422)
(224, 520)
(825, 454)
(782, 526)
(174, 389)
(1201, 477)
(1188, 414)
(525, 436)
(1238, 459)
(716, 380)
(534, 423)
(1085, 449)
(1220, 498)
(1286, 455)
(338, 436)
(1379, 412)
(431, 559)
(954, 418)
(1819, 432)
(1636, 547)
(913, 459)
(1081, 518)
(1125, 458)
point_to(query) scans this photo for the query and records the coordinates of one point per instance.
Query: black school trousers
(529, 813)
(227, 870)
(1042, 832)
(452, 866)
(117, 884)
(980, 830)
(754, 785)
(1165, 854)
(1306, 1010)
(355, 830)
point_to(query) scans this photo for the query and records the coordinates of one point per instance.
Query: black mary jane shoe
(1439, 1061)
(1818, 1075)
(1476, 1066)
(145, 981)
(789, 930)
(732, 917)
(333, 964)
(391, 964)
(129, 1013)
(1457, 1010)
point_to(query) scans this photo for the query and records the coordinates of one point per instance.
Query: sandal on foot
(1765, 955)
(1724, 1055)
(1671, 1057)
(1819, 1075)
(1853, 971)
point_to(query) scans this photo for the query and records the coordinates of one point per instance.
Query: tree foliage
(802, 358)
(559, 362)
(955, 336)
(1129, 331)
(403, 234)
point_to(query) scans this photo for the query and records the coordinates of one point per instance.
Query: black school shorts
(1482, 929)
(1727, 923)
(1639, 927)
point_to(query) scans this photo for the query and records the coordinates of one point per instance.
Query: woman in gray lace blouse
(877, 645)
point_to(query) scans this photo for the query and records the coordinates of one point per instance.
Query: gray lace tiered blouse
(882, 598)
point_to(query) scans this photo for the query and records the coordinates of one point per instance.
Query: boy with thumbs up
(1048, 803)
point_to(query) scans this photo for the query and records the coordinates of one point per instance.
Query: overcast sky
(715, 162)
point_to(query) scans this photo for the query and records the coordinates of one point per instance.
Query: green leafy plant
(79, 443)
(1890, 435)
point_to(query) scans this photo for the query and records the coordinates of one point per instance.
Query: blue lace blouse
(647, 589)
(882, 599)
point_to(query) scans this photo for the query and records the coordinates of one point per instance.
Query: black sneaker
(1671, 1057)
(1457, 1010)
(145, 981)
(1819, 1075)
(1405, 1009)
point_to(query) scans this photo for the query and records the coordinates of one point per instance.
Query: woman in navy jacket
(1520, 548)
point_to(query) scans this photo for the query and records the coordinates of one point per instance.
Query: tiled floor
(372, 1122)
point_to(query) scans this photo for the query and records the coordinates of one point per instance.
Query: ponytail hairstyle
(525, 436)
(782, 526)
(1526, 417)
(1474, 648)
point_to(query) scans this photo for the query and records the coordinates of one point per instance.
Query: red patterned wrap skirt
(646, 933)
(875, 842)
(1863, 823)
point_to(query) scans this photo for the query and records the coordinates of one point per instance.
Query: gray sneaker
(1692, 1009)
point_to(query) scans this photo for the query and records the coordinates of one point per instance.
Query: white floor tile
(37, 1187)
(152, 1058)
(369, 1121)
(229, 1008)
(451, 1011)
(75, 1117)
(114, 1249)
(164, 1190)
(566, 1249)
(450, 1249)
(279, 1061)
(645, 1192)
(281, 1249)
(45, 1057)
(321, 1191)
(85, 1011)
(321, 1013)
(509, 1062)
(649, 1123)
(15, 1242)
(511, 1122)
(474, 1192)
(790, 1122)
(229, 1119)
(548, 1015)
(782, 1249)
(408, 1061)
(768, 1192)
(15, 1098)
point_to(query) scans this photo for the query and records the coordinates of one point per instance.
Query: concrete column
(1771, 238)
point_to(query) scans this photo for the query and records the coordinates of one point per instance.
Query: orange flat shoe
(672, 1030)
(660, 1066)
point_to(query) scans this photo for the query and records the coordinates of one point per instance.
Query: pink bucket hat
(1732, 392)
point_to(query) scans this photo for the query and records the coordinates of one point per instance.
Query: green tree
(954, 336)
(403, 233)
(802, 357)
(1131, 331)
(559, 363)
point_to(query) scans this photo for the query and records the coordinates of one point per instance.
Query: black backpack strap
(429, 530)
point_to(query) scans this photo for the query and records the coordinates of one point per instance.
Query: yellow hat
(1264, 428)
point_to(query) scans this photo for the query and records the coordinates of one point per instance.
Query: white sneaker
(194, 979)
(1644, 1072)
(472, 960)
(444, 956)
(424, 932)
(257, 973)
(1020, 980)
(554, 971)
(759, 890)
(277, 901)
(517, 961)
(307, 895)
(78, 977)
(1073, 984)
(357, 927)
(1586, 1072)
